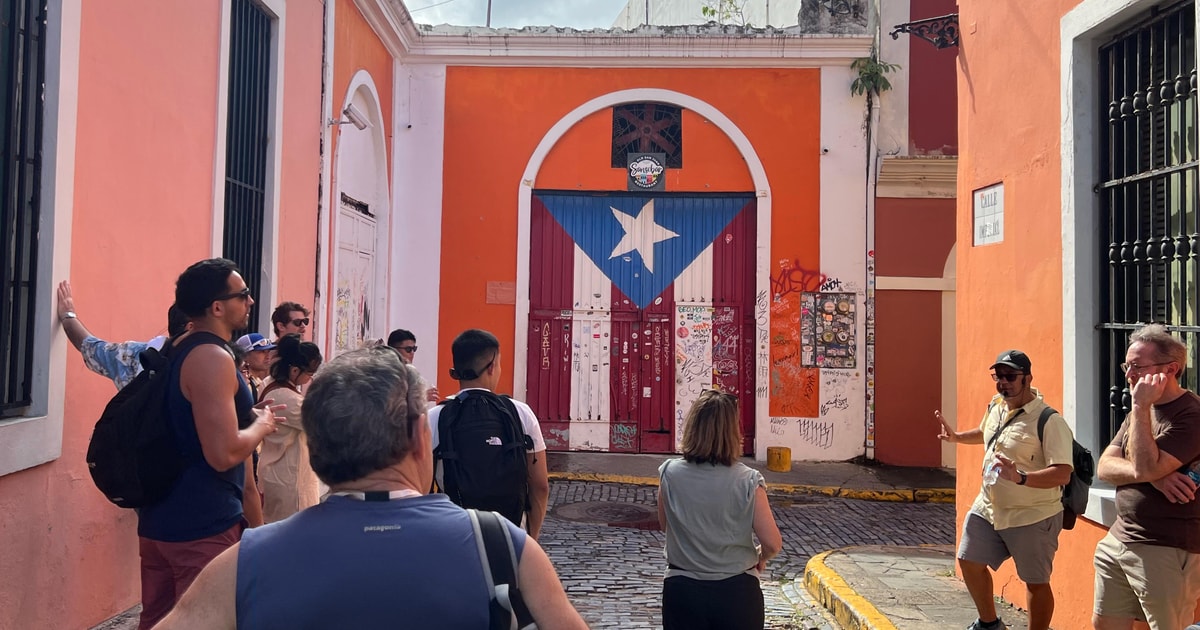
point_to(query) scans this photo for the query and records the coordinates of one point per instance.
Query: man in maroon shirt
(1148, 566)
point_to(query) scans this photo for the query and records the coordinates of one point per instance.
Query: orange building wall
(143, 173)
(301, 176)
(356, 47)
(1012, 136)
(143, 193)
(495, 118)
(913, 238)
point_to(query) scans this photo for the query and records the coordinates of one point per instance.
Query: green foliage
(725, 11)
(872, 76)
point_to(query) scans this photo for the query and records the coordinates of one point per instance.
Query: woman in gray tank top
(712, 507)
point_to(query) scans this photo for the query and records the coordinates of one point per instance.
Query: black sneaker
(978, 625)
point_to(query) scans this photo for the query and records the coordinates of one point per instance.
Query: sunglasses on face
(1007, 377)
(244, 294)
(303, 321)
(409, 349)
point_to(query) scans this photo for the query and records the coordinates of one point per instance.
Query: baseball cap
(1014, 359)
(253, 342)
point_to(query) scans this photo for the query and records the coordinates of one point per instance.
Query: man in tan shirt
(1019, 513)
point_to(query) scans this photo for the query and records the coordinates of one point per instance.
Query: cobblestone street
(613, 575)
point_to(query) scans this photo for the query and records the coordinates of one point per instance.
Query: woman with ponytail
(286, 478)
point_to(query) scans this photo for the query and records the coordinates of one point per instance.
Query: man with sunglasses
(1148, 566)
(290, 317)
(1019, 513)
(216, 425)
(405, 343)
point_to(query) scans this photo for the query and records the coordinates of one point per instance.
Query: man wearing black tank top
(216, 426)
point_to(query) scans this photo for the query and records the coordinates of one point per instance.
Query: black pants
(734, 603)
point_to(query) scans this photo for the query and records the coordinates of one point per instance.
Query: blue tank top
(203, 502)
(346, 563)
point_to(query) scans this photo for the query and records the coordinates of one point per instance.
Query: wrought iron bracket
(942, 31)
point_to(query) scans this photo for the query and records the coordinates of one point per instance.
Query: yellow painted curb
(852, 611)
(928, 495)
(604, 478)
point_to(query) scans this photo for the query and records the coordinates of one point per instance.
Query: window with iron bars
(647, 128)
(1148, 197)
(22, 73)
(246, 142)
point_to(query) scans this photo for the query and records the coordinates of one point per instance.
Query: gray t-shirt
(710, 519)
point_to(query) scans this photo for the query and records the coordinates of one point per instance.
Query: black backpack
(132, 456)
(1075, 493)
(482, 446)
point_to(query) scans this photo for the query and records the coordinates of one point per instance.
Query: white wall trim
(37, 438)
(528, 182)
(418, 151)
(918, 177)
(1081, 32)
(269, 275)
(949, 356)
(903, 283)
(216, 244)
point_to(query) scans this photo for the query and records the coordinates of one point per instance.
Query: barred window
(1148, 196)
(22, 73)
(247, 136)
(647, 128)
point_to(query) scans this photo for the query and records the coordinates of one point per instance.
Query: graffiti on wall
(829, 330)
(870, 310)
(793, 277)
(693, 359)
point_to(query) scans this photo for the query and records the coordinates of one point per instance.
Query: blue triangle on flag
(643, 253)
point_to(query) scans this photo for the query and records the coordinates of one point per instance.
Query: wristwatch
(1024, 477)
(69, 315)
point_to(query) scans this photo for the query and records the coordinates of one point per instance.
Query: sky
(579, 14)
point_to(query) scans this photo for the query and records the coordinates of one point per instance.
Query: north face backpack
(1075, 493)
(482, 446)
(132, 455)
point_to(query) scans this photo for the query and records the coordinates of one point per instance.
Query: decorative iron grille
(22, 72)
(247, 136)
(647, 128)
(1148, 195)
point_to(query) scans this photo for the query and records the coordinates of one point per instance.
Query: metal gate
(637, 304)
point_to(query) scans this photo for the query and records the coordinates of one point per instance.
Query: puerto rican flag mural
(637, 304)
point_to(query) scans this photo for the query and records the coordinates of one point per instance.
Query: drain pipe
(320, 321)
(869, 226)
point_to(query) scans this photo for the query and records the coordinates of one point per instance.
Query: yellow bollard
(779, 458)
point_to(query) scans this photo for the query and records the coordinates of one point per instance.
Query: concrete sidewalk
(896, 588)
(835, 479)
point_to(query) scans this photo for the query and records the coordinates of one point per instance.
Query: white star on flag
(641, 233)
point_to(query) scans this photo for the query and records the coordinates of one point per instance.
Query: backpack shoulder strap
(1043, 418)
(1004, 426)
(498, 560)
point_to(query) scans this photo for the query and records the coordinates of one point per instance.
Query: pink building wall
(143, 205)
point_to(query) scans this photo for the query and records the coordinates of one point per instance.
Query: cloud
(580, 14)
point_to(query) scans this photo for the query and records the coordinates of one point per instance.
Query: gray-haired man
(379, 552)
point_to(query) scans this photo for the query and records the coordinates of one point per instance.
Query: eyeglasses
(1133, 367)
(303, 321)
(407, 348)
(244, 294)
(1008, 378)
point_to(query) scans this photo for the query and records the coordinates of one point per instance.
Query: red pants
(168, 569)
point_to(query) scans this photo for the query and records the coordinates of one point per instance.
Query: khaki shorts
(1151, 583)
(1032, 547)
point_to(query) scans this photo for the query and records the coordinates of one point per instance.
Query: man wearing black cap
(1018, 513)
